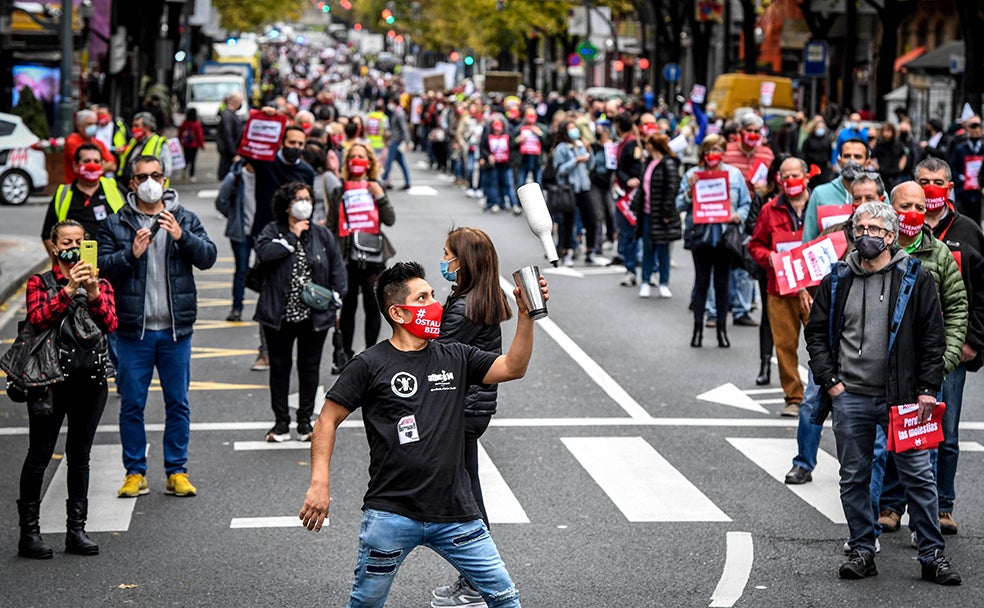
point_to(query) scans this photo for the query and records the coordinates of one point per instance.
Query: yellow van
(733, 91)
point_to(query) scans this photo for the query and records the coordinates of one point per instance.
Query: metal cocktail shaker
(528, 281)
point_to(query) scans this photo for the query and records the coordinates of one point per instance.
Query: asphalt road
(609, 482)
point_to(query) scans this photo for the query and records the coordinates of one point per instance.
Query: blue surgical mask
(90, 130)
(574, 133)
(449, 274)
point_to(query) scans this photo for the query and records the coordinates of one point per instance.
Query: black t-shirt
(413, 406)
(90, 212)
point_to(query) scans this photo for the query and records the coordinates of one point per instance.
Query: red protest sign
(907, 433)
(807, 265)
(712, 197)
(262, 135)
(831, 215)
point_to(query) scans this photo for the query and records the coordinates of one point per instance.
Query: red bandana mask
(90, 171)
(358, 166)
(911, 222)
(648, 129)
(794, 187)
(935, 196)
(713, 159)
(426, 322)
(750, 139)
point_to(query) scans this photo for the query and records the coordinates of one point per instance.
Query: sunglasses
(142, 177)
(975, 125)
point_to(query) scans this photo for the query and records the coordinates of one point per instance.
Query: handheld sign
(905, 432)
(712, 197)
(831, 215)
(262, 135)
(807, 265)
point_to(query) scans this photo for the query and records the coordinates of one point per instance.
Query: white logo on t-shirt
(404, 384)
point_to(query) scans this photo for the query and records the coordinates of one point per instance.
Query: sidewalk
(20, 257)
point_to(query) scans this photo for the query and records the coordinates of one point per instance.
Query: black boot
(76, 540)
(698, 336)
(722, 331)
(765, 372)
(31, 544)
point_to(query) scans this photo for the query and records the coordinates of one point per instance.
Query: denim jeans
(385, 540)
(138, 358)
(742, 291)
(648, 255)
(501, 185)
(240, 252)
(530, 163)
(628, 244)
(856, 418)
(807, 433)
(395, 153)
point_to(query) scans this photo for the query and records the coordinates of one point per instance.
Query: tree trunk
(699, 50)
(972, 23)
(891, 15)
(850, 52)
(751, 49)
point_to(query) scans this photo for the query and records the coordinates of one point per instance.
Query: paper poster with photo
(831, 215)
(698, 93)
(177, 155)
(712, 197)
(611, 155)
(807, 265)
(262, 136)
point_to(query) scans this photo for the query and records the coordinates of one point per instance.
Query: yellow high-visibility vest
(63, 197)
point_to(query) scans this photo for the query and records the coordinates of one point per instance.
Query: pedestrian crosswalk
(628, 472)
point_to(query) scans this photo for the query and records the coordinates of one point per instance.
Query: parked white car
(22, 168)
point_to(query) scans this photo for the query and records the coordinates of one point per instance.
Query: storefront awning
(907, 57)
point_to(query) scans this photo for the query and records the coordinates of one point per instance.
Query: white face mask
(301, 209)
(150, 191)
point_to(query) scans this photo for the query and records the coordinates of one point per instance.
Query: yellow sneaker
(134, 485)
(178, 484)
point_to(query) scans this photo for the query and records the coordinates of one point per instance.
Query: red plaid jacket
(43, 310)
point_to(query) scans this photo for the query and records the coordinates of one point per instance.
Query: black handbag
(732, 243)
(32, 360)
(256, 276)
(365, 249)
(317, 297)
(560, 198)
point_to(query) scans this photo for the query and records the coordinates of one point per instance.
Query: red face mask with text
(90, 171)
(794, 187)
(426, 322)
(713, 159)
(750, 139)
(935, 196)
(911, 222)
(338, 139)
(138, 133)
(358, 166)
(648, 129)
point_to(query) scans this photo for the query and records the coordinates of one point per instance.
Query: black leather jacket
(456, 327)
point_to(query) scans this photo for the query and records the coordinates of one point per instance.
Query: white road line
(107, 513)
(208, 193)
(268, 446)
(970, 446)
(732, 396)
(286, 521)
(643, 485)
(594, 371)
(762, 391)
(503, 422)
(501, 504)
(775, 457)
(421, 191)
(770, 401)
(737, 568)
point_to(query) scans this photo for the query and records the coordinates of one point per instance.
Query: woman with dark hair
(472, 315)
(360, 205)
(888, 155)
(192, 139)
(293, 252)
(702, 239)
(573, 162)
(81, 397)
(655, 206)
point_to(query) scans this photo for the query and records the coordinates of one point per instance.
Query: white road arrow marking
(732, 396)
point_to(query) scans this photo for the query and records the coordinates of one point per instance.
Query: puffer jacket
(937, 259)
(665, 226)
(456, 327)
(128, 274)
(230, 203)
(275, 247)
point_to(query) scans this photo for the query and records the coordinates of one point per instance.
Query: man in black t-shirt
(412, 393)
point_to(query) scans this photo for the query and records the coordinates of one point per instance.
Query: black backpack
(549, 175)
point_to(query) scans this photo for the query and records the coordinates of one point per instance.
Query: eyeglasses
(142, 177)
(875, 231)
(975, 125)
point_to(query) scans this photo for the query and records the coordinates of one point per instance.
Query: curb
(9, 288)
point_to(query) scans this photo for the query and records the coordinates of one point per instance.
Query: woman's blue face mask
(449, 274)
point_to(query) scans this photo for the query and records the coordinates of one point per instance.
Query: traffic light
(469, 60)
(618, 65)
(357, 27)
(388, 16)
(326, 8)
(454, 56)
(643, 63)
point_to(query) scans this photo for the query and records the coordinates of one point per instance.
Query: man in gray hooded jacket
(876, 339)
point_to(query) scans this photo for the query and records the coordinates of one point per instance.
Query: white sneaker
(629, 280)
(664, 292)
(652, 280)
(472, 193)
(517, 210)
(644, 290)
(847, 547)
(495, 209)
(569, 259)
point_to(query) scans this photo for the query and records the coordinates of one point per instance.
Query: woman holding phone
(56, 297)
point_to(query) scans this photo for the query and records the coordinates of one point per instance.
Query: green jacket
(938, 260)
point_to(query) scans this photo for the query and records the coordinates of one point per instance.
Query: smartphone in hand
(90, 253)
(155, 225)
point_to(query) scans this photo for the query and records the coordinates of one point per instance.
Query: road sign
(957, 63)
(671, 72)
(815, 59)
